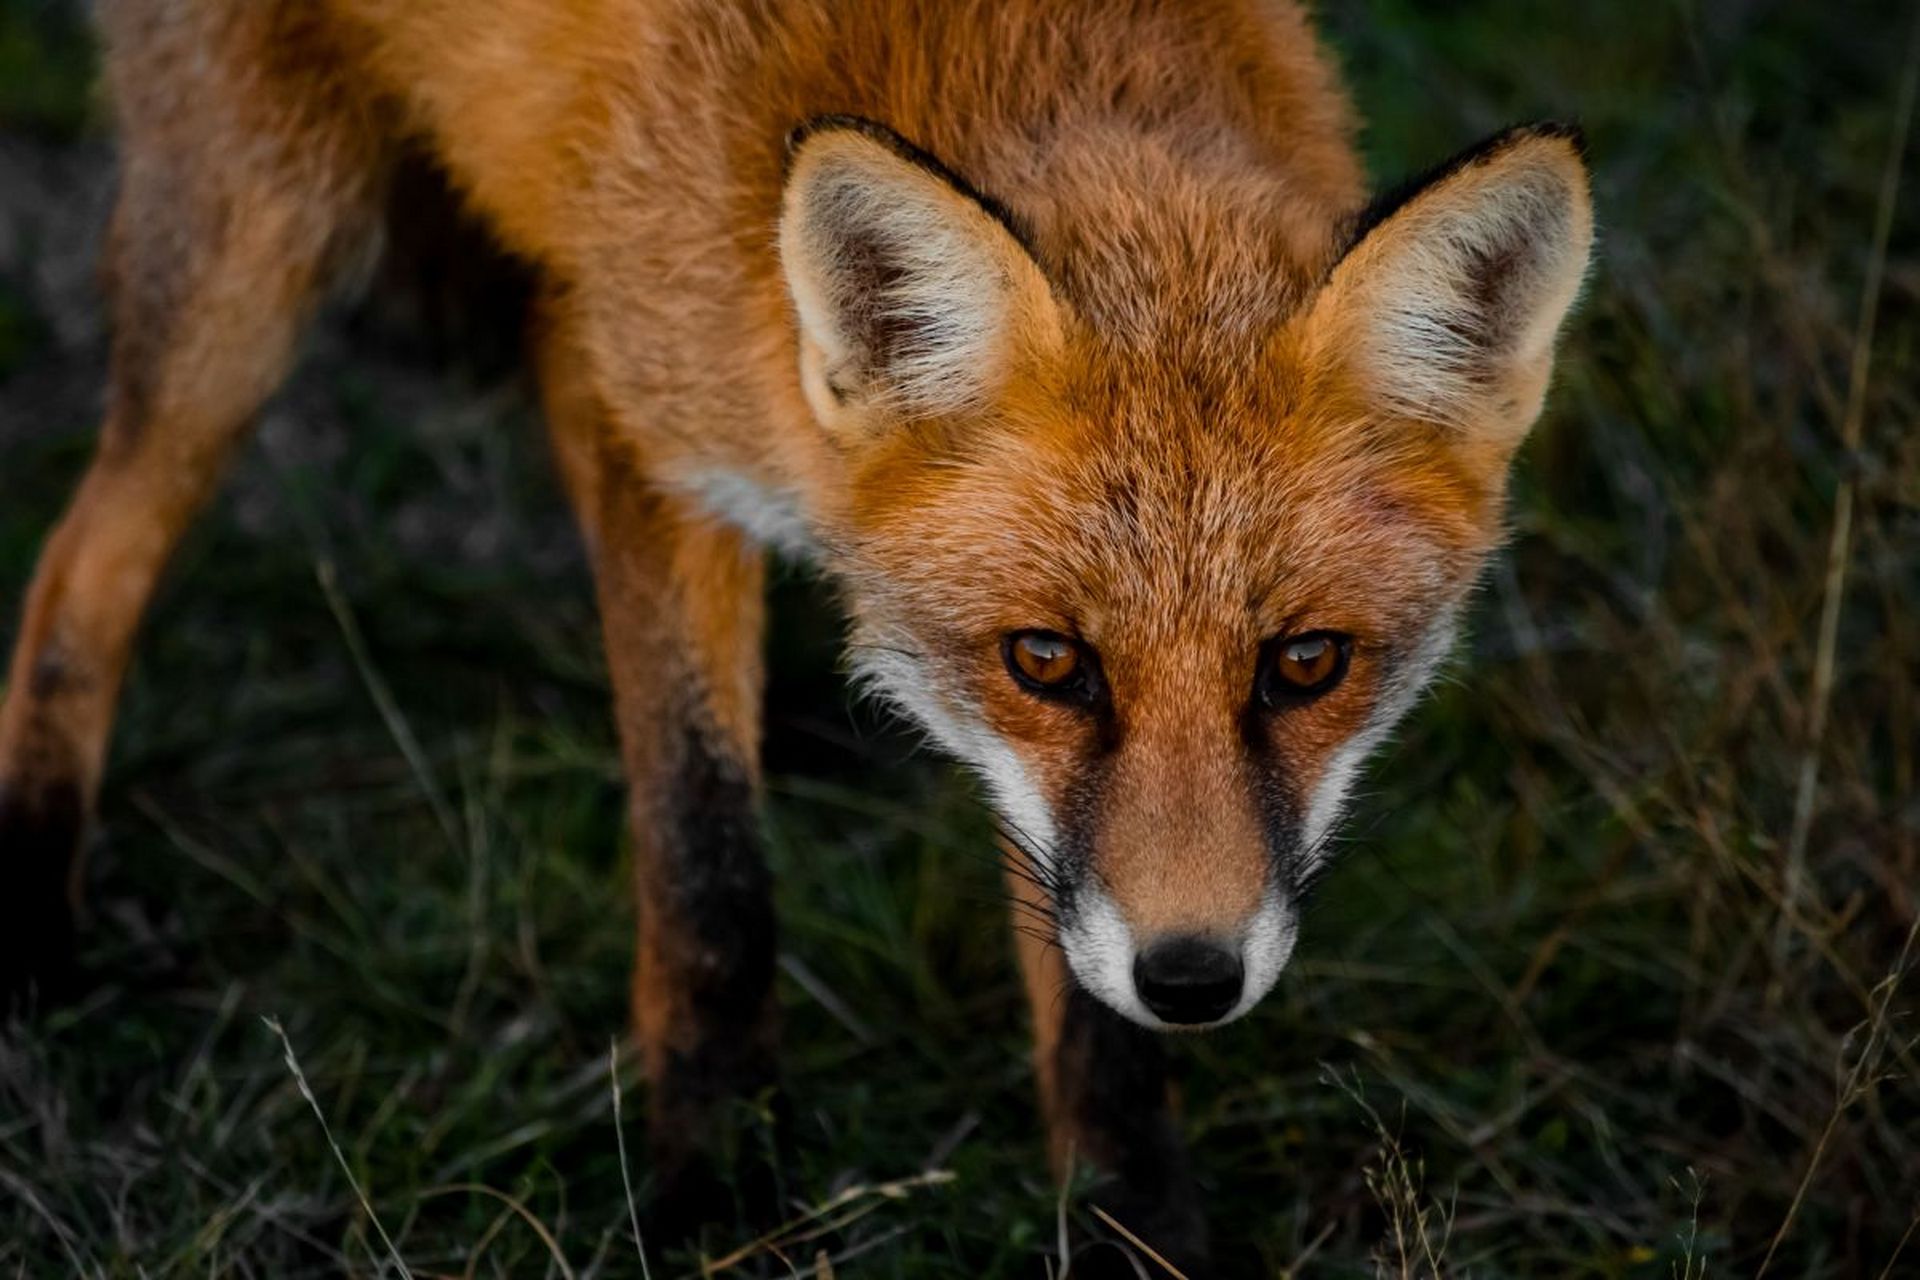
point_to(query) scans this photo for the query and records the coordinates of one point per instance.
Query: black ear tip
(1567, 131)
(837, 120)
(1390, 202)
(798, 135)
(910, 152)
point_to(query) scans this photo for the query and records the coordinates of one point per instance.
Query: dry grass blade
(326, 1130)
(626, 1173)
(1841, 541)
(1153, 1255)
(825, 996)
(1912, 1221)
(514, 1207)
(384, 701)
(847, 1207)
(1856, 1083)
(1397, 1183)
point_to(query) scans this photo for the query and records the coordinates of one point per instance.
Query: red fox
(1153, 462)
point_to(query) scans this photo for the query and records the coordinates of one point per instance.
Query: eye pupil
(1055, 667)
(1308, 661)
(1306, 666)
(1045, 659)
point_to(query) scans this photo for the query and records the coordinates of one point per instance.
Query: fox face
(1164, 581)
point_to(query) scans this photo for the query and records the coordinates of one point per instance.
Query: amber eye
(1295, 668)
(1050, 664)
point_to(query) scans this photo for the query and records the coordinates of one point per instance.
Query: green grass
(1539, 1018)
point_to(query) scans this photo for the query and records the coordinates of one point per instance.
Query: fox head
(1162, 538)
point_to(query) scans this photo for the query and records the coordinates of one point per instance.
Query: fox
(1153, 457)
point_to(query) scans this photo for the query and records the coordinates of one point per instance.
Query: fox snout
(1188, 980)
(1175, 979)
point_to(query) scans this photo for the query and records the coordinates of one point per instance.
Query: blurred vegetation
(46, 68)
(1544, 1013)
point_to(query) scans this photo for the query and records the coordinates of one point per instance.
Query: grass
(1546, 1019)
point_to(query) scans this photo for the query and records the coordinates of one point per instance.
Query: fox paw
(723, 1203)
(40, 833)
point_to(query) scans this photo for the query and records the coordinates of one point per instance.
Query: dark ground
(1542, 1023)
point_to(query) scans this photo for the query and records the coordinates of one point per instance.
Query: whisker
(1025, 875)
(1026, 838)
(1027, 912)
(1034, 911)
(1040, 862)
(1040, 936)
(1045, 910)
(1021, 874)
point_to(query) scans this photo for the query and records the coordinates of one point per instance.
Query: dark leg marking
(40, 832)
(1113, 1094)
(709, 928)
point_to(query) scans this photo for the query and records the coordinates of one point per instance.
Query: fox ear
(1446, 306)
(915, 299)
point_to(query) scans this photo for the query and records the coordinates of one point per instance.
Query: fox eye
(1050, 664)
(1294, 669)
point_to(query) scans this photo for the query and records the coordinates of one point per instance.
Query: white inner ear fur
(913, 301)
(1450, 306)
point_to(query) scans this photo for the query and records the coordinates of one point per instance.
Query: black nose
(1188, 980)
